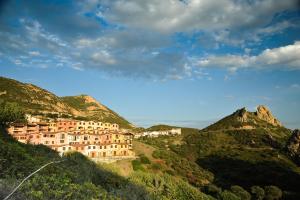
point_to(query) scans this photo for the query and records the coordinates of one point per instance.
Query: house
(99, 141)
(173, 131)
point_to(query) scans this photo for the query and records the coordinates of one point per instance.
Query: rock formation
(242, 115)
(293, 146)
(265, 114)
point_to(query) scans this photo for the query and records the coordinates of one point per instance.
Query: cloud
(177, 16)
(142, 39)
(285, 57)
(34, 53)
(295, 86)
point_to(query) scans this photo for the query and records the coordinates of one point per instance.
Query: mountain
(243, 119)
(36, 100)
(246, 149)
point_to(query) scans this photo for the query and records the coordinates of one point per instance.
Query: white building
(173, 131)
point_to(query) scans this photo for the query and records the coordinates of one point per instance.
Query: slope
(36, 100)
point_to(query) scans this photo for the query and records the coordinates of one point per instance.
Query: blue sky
(185, 63)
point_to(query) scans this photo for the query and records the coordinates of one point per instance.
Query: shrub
(212, 190)
(257, 192)
(171, 172)
(227, 195)
(144, 159)
(272, 193)
(156, 154)
(156, 166)
(137, 165)
(240, 192)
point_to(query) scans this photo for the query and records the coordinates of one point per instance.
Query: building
(96, 140)
(173, 131)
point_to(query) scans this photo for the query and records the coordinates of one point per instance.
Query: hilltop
(36, 100)
(245, 148)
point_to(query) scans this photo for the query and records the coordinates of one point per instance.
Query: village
(103, 142)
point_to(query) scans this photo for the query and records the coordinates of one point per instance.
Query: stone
(265, 114)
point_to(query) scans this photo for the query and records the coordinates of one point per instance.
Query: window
(94, 147)
(89, 147)
(64, 148)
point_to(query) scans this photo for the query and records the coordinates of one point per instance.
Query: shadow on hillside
(230, 171)
(19, 160)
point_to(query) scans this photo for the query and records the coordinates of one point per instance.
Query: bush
(227, 195)
(144, 159)
(137, 165)
(257, 192)
(272, 193)
(240, 192)
(156, 166)
(212, 190)
(11, 112)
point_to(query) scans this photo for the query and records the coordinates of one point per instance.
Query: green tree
(10, 112)
(227, 195)
(257, 192)
(272, 193)
(240, 192)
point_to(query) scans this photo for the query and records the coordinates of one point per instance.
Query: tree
(227, 195)
(240, 192)
(10, 112)
(257, 192)
(272, 193)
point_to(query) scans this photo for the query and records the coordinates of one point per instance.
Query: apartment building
(89, 138)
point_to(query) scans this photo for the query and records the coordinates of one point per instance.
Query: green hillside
(76, 177)
(36, 100)
(233, 155)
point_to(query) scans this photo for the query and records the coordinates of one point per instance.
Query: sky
(179, 62)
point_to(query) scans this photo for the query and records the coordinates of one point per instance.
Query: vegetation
(10, 112)
(79, 178)
(35, 100)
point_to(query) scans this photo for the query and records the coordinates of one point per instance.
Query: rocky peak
(242, 115)
(265, 114)
(293, 146)
(90, 99)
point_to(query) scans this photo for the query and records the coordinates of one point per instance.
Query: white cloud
(34, 53)
(281, 57)
(174, 15)
(104, 57)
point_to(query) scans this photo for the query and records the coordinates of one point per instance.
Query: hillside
(243, 149)
(76, 177)
(40, 101)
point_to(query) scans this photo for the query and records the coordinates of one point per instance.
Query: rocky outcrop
(293, 146)
(265, 114)
(242, 115)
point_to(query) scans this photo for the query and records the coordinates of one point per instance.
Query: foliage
(272, 193)
(212, 190)
(227, 195)
(240, 192)
(144, 159)
(257, 192)
(10, 112)
(137, 165)
(166, 187)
